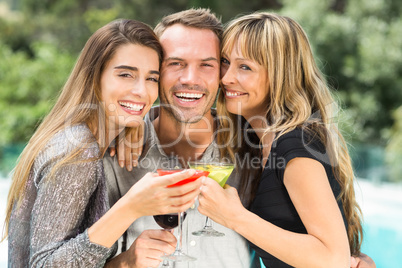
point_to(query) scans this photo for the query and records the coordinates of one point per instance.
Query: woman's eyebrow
(126, 67)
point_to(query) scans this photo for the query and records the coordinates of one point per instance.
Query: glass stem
(179, 229)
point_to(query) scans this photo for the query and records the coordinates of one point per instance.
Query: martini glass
(178, 255)
(219, 172)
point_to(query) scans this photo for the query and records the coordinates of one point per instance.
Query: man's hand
(146, 250)
(362, 261)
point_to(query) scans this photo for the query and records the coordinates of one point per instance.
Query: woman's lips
(134, 108)
(233, 94)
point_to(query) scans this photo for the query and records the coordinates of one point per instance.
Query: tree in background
(28, 87)
(68, 23)
(360, 52)
(394, 148)
(359, 45)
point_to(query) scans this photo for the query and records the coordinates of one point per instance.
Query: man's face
(190, 72)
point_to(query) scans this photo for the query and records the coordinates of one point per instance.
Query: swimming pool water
(383, 245)
(381, 205)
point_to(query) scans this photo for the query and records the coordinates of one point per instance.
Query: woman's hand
(222, 205)
(149, 196)
(129, 148)
(152, 196)
(362, 261)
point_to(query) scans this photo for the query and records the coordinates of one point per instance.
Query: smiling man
(181, 129)
(190, 73)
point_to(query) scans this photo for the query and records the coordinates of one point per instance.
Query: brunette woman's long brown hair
(79, 100)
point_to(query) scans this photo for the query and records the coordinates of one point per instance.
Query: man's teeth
(232, 94)
(132, 106)
(189, 96)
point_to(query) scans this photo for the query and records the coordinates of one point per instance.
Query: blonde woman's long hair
(79, 101)
(298, 97)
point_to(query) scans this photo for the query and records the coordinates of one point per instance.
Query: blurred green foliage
(28, 88)
(394, 148)
(360, 51)
(357, 43)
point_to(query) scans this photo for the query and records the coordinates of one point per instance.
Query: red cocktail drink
(196, 175)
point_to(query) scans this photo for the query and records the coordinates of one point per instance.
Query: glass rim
(215, 163)
(178, 169)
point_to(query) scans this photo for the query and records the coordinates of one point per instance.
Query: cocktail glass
(178, 255)
(219, 172)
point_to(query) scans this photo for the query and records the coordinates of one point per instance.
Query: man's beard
(178, 115)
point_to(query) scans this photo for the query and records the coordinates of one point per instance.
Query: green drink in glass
(220, 172)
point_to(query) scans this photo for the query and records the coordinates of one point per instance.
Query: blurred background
(357, 43)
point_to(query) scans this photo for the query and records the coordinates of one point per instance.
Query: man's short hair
(200, 18)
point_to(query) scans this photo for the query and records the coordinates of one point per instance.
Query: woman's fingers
(209, 186)
(138, 142)
(152, 196)
(182, 207)
(170, 179)
(188, 196)
(134, 145)
(185, 188)
(112, 151)
(180, 198)
(120, 152)
(127, 150)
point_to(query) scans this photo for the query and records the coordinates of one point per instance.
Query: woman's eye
(245, 67)
(225, 61)
(125, 75)
(153, 79)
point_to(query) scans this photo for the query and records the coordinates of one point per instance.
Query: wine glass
(168, 222)
(178, 255)
(219, 172)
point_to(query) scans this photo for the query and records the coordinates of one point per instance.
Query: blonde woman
(303, 211)
(57, 212)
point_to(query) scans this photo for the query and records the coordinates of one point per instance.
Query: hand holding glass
(220, 172)
(168, 222)
(178, 255)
